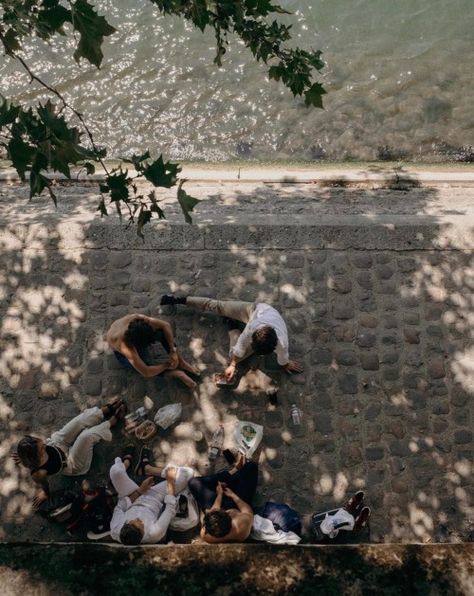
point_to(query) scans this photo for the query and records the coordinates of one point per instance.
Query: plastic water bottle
(296, 415)
(216, 443)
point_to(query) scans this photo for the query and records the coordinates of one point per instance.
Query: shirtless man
(130, 338)
(225, 499)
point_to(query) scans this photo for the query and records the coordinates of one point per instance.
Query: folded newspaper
(248, 436)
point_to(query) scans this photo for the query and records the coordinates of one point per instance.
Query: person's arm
(159, 528)
(218, 500)
(241, 505)
(238, 352)
(41, 479)
(167, 330)
(283, 357)
(146, 371)
(118, 519)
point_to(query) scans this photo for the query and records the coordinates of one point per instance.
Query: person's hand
(171, 474)
(39, 498)
(229, 373)
(173, 360)
(293, 367)
(146, 484)
(16, 458)
(229, 492)
(220, 488)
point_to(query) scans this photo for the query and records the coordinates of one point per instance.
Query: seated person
(70, 449)
(225, 499)
(130, 338)
(262, 330)
(143, 513)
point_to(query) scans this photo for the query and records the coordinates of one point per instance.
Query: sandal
(145, 458)
(128, 453)
(111, 408)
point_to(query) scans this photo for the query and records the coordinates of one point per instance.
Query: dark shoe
(170, 300)
(362, 518)
(354, 504)
(233, 324)
(145, 458)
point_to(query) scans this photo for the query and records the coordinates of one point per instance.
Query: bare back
(117, 330)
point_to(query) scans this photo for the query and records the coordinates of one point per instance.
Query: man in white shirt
(264, 330)
(143, 513)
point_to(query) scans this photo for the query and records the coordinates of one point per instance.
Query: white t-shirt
(263, 315)
(154, 508)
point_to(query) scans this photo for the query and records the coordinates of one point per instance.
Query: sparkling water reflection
(399, 78)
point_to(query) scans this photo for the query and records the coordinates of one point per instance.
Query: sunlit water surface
(398, 75)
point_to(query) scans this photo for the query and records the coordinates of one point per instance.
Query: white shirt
(155, 509)
(263, 315)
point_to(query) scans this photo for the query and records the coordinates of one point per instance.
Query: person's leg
(181, 376)
(121, 481)
(203, 488)
(244, 481)
(79, 458)
(183, 477)
(66, 436)
(232, 309)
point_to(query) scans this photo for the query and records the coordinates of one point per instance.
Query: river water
(398, 73)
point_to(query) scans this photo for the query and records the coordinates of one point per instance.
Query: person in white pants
(143, 513)
(70, 449)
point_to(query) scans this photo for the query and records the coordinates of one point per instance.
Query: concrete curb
(336, 176)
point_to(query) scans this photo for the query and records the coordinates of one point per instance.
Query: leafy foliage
(39, 140)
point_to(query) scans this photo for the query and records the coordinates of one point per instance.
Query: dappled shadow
(385, 336)
(235, 569)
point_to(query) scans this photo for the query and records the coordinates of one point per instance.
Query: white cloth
(264, 314)
(329, 523)
(78, 437)
(183, 524)
(264, 530)
(155, 508)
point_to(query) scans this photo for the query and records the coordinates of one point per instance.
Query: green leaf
(90, 168)
(314, 95)
(186, 202)
(21, 155)
(10, 41)
(8, 113)
(143, 218)
(102, 208)
(155, 208)
(51, 20)
(200, 14)
(117, 185)
(92, 28)
(161, 173)
(38, 183)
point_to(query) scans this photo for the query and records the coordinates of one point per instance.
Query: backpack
(281, 515)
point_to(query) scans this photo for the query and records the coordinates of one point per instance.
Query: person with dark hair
(225, 498)
(132, 335)
(144, 512)
(254, 328)
(68, 451)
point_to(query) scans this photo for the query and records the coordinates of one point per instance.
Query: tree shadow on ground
(384, 335)
(235, 569)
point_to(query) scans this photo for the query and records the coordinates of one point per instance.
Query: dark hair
(139, 334)
(27, 450)
(130, 534)
(264, 340)
(218, 523)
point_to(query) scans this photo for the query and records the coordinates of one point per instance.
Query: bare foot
(183, 377)
(184, 365)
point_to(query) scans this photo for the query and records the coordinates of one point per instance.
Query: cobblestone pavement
(385, 337)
